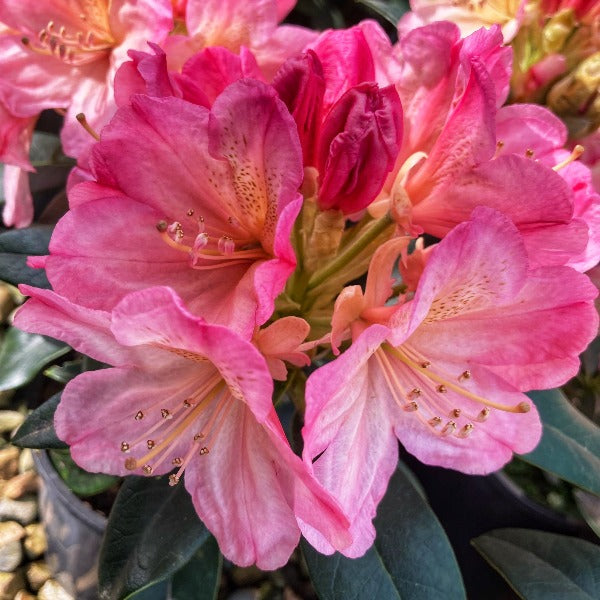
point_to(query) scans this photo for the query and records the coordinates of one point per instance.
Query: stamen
(139, 415)
(147, 469)
(529, 153)
(522, 407)
(83, 122)
(577, 152)
(455, 412)
(466, 430)
(177, 461)
(464, 375)
(449, 427)
(124, 447)
(190, 212)
(415, 392)
(165, 414)
(173, 480)
(442, 389)
(226, 245)
(411, 406)
(150, 444)
(483, 415)
(435, 421)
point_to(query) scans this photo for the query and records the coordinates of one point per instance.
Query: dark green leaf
(22, 356)
(15, 246)
(80, 482)
(589, 507)
(158, 591)
(390, 10)
(153, 530)
(200, 578)
(543, 566)
(38, 429)
(65, 372)
(411, 559)
(570, 445)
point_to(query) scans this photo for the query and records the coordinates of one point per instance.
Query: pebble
(10, 420)
(37, 574)
(52, 590)
(22, 511)
(26, 460)
(7, 303)
(10, 584)
(21, 484)
(24, 595)
(11, 551)
(9, 462)
(35, 541)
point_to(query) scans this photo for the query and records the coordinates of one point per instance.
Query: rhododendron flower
(352, 143)
(451, 158)
(232, 25)
(202, 201)
(64, 55)
(469, 15)
(185, 395)
(444, 371)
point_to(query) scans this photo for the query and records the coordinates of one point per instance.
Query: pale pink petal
(15, 138)
(282, 338)
(84, 329)
(18, 203)
(349, 424)
(349, 303)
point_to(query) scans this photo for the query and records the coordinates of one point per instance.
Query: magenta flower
(186, 396)
(443, 372)
(202, 201)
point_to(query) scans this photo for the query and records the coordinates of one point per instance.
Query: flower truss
(252, 200)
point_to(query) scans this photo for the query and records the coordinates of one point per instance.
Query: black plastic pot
(74, 531)
(469, 505)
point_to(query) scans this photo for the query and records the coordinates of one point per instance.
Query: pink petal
(18, 203)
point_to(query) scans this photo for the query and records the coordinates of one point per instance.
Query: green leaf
(589, 507)
(543, 566)
(80, 481)
(153, 531)
(570, 445)
(390, 10)
(200, 578)
(15, 246)
(37, 431)
(22, 356)
(411, 559)
(65, 372)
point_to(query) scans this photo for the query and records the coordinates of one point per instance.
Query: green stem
(351, 252)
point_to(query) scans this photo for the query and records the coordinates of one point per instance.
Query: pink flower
(452, 158)
(443, 372)
(469, 15)
(353, 142)
(220, 186)
(186, 396)
(56, 54)
(232, 25)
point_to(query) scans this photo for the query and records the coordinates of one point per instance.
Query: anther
(411, 406)
(176, 230)
(83, 122)
(162, 226)
(124, 447)
(425, 364)
(25, 41)
(435, 421)
(529, 153)
(524, 407)
(449, 427)
(455, 412)
(150, 444)
(190, 212)
(464, 375)
(204, 450)
(187, 404)
(226, 245)
(483, 415)
(577, 152)
(165, 414)
(173, 480)
(414, 392)
(177, 461)
(499, 144)
(131, 464)
(139, 415)
(442, 389)
(198, 436)
(200, 242)
(147, 469)
(466, 430)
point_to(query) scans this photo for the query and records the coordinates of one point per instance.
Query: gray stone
(11, 555)
(52, 590)
(22, 511)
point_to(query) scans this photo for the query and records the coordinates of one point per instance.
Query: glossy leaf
(570, 445)
(65, 372)
(23, 355)
(37, 431)
(153, 531)
(390, 10)
(411, 559)
(543, 566)
(200, 578)
(79, 481)
(15, 246)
